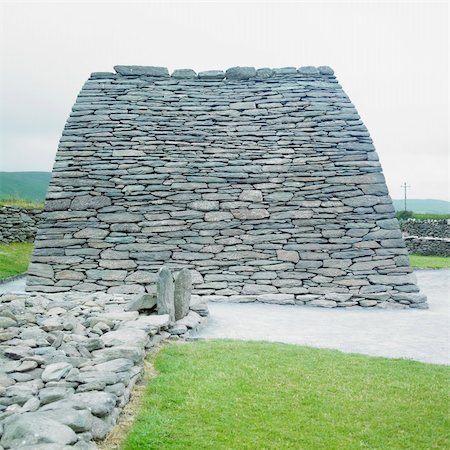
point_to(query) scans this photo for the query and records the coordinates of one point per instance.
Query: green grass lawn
(423, 216)
(14, 259)
(242, 395)
(429, 262)
(27, 204)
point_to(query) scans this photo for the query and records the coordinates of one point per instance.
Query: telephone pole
(405, 186)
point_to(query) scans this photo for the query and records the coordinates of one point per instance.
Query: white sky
(390, 57)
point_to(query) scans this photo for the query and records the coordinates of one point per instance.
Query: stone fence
(18, 224)
(427, 237)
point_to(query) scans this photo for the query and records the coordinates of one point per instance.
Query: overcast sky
(390, 57)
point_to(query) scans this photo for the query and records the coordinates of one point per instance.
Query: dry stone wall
(18, 224)
(264, 183)
(427, 237)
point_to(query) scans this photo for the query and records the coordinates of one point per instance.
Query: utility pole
(405, 186)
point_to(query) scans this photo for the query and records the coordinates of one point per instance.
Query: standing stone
(164, 293)
(182, 293)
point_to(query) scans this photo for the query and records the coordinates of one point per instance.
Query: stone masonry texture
(18, 224)
(264, 183)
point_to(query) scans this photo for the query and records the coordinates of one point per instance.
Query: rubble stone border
(18, 224)
(69, 361)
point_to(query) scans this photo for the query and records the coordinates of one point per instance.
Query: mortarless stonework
(18, 224)
(264, 183)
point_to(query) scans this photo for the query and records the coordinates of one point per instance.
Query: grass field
(14, 259)
(238, 395)
(429, 262)
(430, 216)
(21, 203)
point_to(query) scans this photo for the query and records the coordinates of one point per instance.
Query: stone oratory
(264, 183)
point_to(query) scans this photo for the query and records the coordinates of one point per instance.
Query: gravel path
(17, 285)
(422, 335)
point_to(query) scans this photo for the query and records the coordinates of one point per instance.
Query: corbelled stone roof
(264, 183)
(233, 73)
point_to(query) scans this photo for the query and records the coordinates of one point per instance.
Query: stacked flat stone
(426, 228)
(264, 183)
(427, 237)
(68, 363)
(18, 224)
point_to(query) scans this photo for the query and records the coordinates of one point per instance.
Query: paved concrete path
(17, 285)
(422, 335)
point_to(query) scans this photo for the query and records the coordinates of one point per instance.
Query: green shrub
(403, 215)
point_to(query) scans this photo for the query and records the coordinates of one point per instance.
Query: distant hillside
(430, 206)
(31, 186)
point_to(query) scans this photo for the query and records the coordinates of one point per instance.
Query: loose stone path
(422, 335)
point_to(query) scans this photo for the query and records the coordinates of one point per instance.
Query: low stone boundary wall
(426, 228)
(428, 246)
(69, 361)
(427, 237)
(18, 224)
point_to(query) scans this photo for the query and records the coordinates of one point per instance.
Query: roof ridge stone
(233, 73)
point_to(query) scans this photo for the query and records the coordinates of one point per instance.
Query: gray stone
(250, 214)
(31, 405)
(308, 70)
(79, 420)
(240, 73)
(178, 329)
(325, 70)
(85, 202)
(368, 303)
(218, 216)
(264, 73)
(6, 322)
(211, 75)
(392, 279)
(56, 371)
(115, 365)
(40, 270)
(142, 302)
(288, 255)
(285, 71)
(242, 105)
(62, 204)
(98, 403)
(52, 394)
(205, 205)
(338, 297)
(192, 320)
(183, 73)
(150, 71)
(251, 196)
(120, 217)
(410, 297)
(182, 293)
(106, 274)
(125, 336)
(34, 428)
(165, 293)
(323, 303)
(91, 233)
(153, 321)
